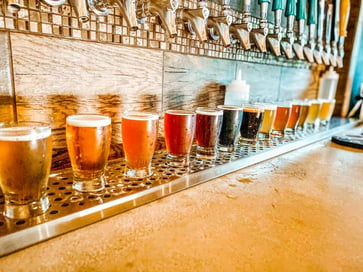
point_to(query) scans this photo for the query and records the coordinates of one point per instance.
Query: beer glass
(283, 112)
(209, 123)
(294, 117)
(251, 123)
(268, 119)
(305, 105)
(26, 156)
(313, 113)
(88, 142)
(139, 132)
(231, 123)
(326, 111)
(179, 129)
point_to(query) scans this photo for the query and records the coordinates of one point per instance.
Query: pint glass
(326, 111)
(179, 129)
(88, 141)
(251, 123)
(26, 156)
(231, 124)
(209, 123)
(139, 132)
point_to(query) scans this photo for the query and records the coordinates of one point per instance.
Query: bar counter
(301, 211)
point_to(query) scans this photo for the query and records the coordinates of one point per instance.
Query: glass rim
(24, 131)
(88, 120)
(254, 107)
(229, 107)
(180, 112)
(140, 115)
(209, 111)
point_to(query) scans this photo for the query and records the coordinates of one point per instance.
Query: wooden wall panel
(56, 78)
(6, 92)
(191, 81)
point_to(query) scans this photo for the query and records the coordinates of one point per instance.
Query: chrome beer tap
(259, 34)
(273, 40)
(195, 20)
(288, 41)
(242, 31)
(220, 24)
(312, 14)
(300, 41)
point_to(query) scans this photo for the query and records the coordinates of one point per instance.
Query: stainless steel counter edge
(43, 231)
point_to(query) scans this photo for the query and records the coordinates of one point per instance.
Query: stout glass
(179, 129)
(209, 123)
(251, 123)
(231, 123)
(26, 156)
(139, 133)
(88, 142)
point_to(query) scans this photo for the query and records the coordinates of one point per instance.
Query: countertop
(302, 211)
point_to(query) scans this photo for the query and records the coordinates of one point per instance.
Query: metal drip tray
(71, 210)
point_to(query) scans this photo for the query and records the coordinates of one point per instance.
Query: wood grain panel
(6, 92)
(263, 79)
(298, 83)
(55, 78)
(191, 81)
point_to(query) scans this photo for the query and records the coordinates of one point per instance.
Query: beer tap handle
(263, 12)
(344, 17)
(335, 24)
(277, 8)
(301, 16)
(321, 20)
(329, 16)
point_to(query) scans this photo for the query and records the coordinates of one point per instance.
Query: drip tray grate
(70, 209)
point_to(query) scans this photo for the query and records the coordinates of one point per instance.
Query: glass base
(138, 173)
(278, 134)
(22, 211)
(206, 153)
(248, 141)
(226, 148)
(86, 185)
(177, 161)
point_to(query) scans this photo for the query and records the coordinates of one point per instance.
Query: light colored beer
(304, 114)
(139, 132)
(326, 110)
(268, 119)
(313, 113)
(88, 142)
(25, 156)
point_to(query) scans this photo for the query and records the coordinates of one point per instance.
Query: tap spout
(165, 9)
(221, 26)
(13, 6)
(81, 9)
(242, 33)
(128, 10)
(53, 3)
(195, 20)
(259, 34)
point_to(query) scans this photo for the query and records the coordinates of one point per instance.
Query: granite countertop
(302, 211)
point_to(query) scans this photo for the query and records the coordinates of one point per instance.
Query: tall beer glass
(231, 124)
(294, 117)
(251, 123)
(88, 141)
(139, 132)
(268, 119)
(179, 129)
(25, 162)
(305, 106)
(283, 112)
(326, 111)
(313, 113)
(209, 123)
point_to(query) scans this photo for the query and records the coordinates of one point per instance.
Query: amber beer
(139, 132)
(294, 117)
(326, 111)
(305, 105)
(25, 155)
(283, 112)
(88, 141)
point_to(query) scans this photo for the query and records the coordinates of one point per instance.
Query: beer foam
(88, 120)
(24, 133)
(140, 116)
(209, 111)
(180, 112)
